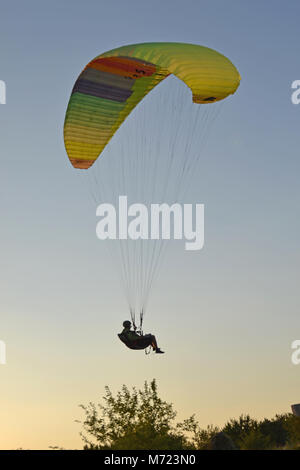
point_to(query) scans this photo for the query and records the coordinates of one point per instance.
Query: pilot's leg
(152, 341)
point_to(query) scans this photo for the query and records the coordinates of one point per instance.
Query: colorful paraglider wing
(113, 83)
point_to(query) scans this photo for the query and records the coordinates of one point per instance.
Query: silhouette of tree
(136, 419)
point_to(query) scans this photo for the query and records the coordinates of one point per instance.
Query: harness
(140, 327)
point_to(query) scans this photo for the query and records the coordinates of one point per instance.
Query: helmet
(126, 324)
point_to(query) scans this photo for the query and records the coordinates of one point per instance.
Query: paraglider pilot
(133, 340)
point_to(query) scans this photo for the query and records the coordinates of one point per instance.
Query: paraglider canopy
(113, 83)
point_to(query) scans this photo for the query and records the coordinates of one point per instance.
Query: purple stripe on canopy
(101, 91)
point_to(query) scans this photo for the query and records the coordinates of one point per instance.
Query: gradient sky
(235, 304)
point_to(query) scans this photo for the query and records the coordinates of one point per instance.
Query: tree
(200, 439)
(292, 427)
(277, 429)
(136, 419)
(239, 429)
(250, 434)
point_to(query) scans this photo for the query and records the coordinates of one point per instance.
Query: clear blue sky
(235, 304)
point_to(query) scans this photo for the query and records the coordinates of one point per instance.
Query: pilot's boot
(159, 351)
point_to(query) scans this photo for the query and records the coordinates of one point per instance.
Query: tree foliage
(140, 419)
(136, 419)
